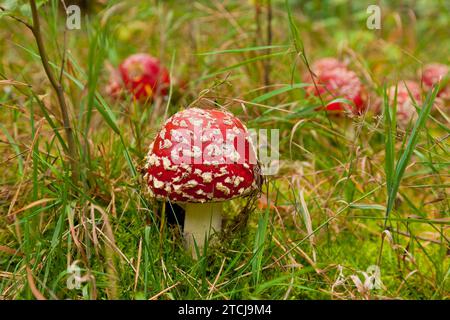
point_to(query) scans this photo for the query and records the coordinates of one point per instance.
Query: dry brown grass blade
(22, 180)
(9, 250)
(6, 275)
(36, 293)
(31, 205)
(113, 245)
(156, 296)
(138, 264)
(111, 268)
(12, 83)
(307, 219)
(213, 285)
(74, 235)
(289, 256)
(94, 230)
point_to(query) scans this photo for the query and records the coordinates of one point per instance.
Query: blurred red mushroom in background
(114, 88)
(144, 76)
(325, 64)
(141, 75)
(432, 74)
(334, 80)
(406, 111)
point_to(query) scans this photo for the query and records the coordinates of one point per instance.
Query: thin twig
(269, 43)
(18, 19)
(58, 87)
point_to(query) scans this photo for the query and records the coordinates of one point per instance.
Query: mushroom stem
(200, 222)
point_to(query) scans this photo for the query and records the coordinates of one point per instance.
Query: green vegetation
(352, 192)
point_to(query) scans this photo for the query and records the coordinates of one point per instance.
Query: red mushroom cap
(324, 64)
(115, 84)
(339, 83)
(432, 74)
(144, 76)
(405, 106)
(202, 156)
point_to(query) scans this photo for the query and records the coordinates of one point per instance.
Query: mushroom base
(201, 221)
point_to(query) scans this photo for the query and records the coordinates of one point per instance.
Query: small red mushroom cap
(114, 88)
(202, 155)
(432, 74)
(324, 64)
(405, 106)
(144, 76)
(336, 83)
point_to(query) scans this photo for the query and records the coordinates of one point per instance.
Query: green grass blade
(410, 146)
(258, 48)
(258, 249)
(240, 64)
(389, 137)
(278, 91)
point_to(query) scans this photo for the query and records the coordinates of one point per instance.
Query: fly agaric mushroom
(115, 86)
(405, 105)
(334, 81)
(322, 65)
(199, 159)
(144, 76)
(432, 74)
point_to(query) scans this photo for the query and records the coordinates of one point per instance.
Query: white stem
(200, 222)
